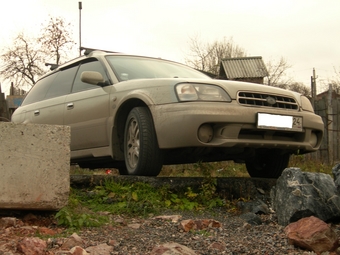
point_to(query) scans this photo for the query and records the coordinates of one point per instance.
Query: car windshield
(130, 67)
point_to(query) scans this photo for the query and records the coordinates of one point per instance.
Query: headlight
(201, 92)
(306, 104)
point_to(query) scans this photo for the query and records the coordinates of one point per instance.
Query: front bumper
(233, 125)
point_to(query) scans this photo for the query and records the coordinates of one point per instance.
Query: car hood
(231, 87)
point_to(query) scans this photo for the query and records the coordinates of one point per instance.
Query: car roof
(93, 53)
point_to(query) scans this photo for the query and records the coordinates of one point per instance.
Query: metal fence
(329, 109)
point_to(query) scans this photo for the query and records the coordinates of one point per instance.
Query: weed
(305, 163)
(74, 220)
(136, 199)
(140, 199)
(75, 216)
(202, 232)
(200, 169)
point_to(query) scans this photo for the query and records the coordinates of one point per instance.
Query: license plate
(279, 122)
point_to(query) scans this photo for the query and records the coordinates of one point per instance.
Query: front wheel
(141, 151)
(267, 164)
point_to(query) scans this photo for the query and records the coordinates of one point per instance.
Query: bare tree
(300, 88)
(207, 56)
(56, 38)
(336, 80)
(22, 61)
(277, 74)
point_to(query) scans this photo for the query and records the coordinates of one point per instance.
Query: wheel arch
(119, 125)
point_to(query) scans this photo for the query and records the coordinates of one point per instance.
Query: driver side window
(96, 66)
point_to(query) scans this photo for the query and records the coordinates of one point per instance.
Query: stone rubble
(172, 249)
(308, 233)
(32, 246)
(254, 231)
(300, 194)
(187, 225)
(312, 234)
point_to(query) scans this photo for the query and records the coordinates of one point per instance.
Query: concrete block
(34, 166)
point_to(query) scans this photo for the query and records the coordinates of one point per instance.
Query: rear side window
(54, 85)
(62, 84)
(39, 90)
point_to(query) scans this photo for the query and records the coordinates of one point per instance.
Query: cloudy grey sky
(305, 32)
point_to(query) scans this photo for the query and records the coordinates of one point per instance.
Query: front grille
(261, 99)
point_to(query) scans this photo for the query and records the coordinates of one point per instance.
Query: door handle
(36, 112)
(70, 106)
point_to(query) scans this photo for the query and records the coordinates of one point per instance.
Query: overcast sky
(305, 32)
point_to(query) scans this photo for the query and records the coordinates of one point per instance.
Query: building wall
(325, 95)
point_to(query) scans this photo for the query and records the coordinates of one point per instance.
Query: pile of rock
(303, 202)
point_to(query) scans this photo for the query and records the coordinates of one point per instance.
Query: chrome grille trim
(260, 99)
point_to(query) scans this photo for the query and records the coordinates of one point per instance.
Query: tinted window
(90, 66)
(39, 90)
(62, 83)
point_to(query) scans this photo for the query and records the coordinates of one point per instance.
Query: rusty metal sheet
(14, 101)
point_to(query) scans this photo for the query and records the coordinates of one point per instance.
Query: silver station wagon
(139, 113)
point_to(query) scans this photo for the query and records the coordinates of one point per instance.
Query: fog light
(313, 140)
(205, 133)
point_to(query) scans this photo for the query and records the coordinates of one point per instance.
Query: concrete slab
(34, 166)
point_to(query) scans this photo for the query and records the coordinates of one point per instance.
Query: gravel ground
(140, 235)
(234, 237)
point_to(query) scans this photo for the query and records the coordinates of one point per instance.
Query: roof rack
(52, 66)
(89, 50)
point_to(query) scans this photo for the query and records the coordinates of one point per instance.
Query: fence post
(330, 126)
(4, 114)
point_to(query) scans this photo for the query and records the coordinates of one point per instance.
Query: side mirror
(94, 78)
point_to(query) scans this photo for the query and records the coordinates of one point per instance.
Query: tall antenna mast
(80, 8)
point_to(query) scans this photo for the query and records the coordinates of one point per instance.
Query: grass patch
(92, 207)
(306, 164)
(212, 169)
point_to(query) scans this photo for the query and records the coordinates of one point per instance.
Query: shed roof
(248, 67)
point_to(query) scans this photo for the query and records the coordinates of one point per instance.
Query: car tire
(268, 164)
(141, 151)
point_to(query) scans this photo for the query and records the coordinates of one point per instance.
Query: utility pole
(313, 87)
(80, 8)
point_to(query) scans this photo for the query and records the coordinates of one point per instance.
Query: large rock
(300, 194)
(336, 175)
(312, 234)
(32, 246)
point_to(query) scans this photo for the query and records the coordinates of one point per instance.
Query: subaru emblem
(271, 100)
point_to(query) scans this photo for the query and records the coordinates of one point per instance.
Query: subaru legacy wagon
(137, 114)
